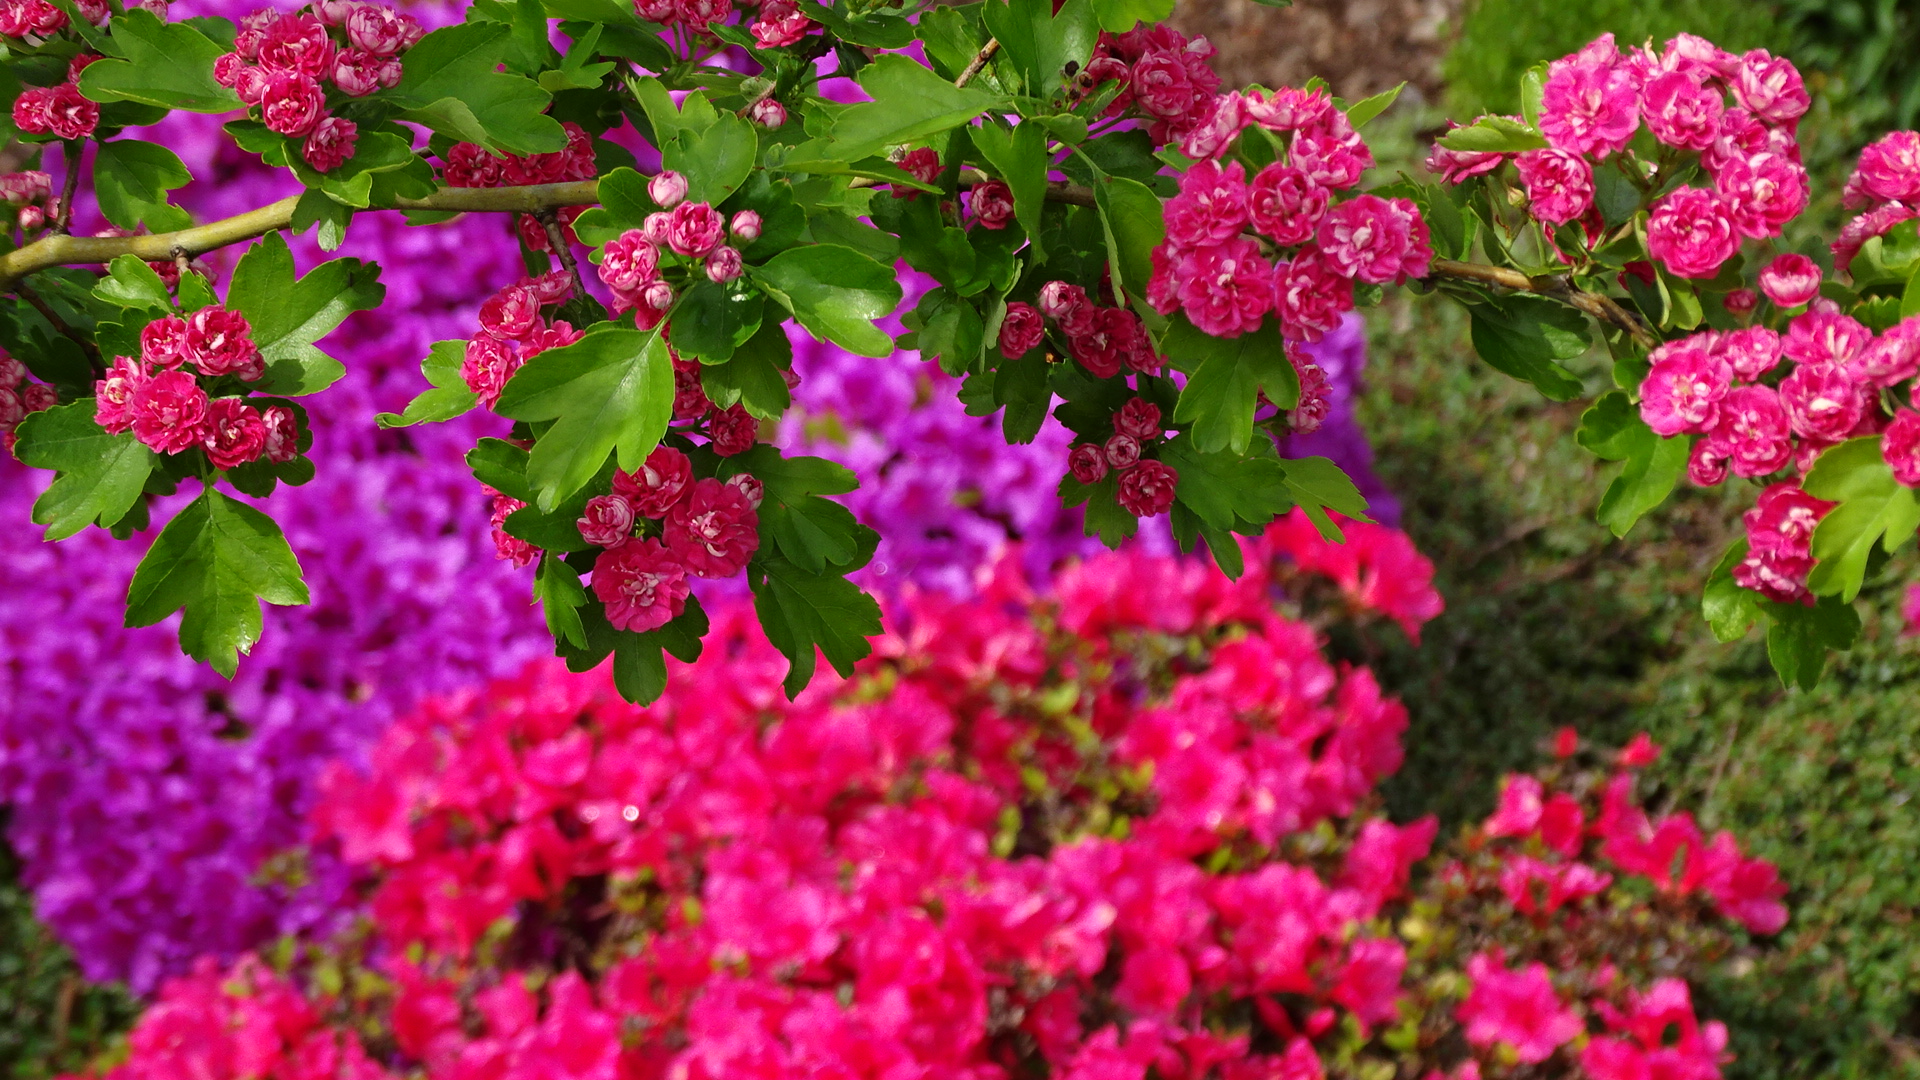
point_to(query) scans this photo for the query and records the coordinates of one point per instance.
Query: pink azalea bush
(1121, 828)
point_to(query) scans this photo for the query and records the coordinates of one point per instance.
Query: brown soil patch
(1361, 47)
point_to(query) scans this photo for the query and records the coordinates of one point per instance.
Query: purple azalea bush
(150, 797)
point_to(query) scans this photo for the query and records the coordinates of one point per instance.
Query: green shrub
(51, 1019)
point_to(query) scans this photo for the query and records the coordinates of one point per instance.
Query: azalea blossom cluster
(20, 395)
(1212, 264)
(682, 238)
(472, 165)
(162, 395)
(1738, 114)
(60, 110)
(1595, 997)
(285, 65)
(1762, 402)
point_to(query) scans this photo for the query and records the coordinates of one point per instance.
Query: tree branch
(51, 251)
(979, 61)
(1604, 308)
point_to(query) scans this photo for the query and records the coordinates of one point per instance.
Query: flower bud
(751, 487)
(724, 264)
(657, 296)
(1742, 301)
(1122, 451)
(768, 113)
(1790, 280)
(657, 227)
(1058, 299)
(668, 189)
(746, 226)
(32, 218)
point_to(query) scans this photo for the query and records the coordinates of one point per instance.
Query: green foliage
(451, 84)
(289, 314)
(164, 64)
(100, 475)
(52, 1021)
(448, 398)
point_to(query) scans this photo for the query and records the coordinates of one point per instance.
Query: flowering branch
(51, 251)
(1600, 307)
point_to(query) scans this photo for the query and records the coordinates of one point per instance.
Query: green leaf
(1135, 225)
(451, 83)
(1222, 393)
(952, 331)
(611, 391)
(1495, 135)
(715, 160)
(755, 376)
(1120, 16)
(100, 476)
(714, 319)
(131, 180)
(836, 293)
(217, 559)
(1524, 335)
(1318, 485)
(1367, 108)
(448, 398)
(1533, 86)
(316, 209)
(1226, 489)
(909, 103)
(953, 37)
(1612, 428)
(1798, 641)
(1729, 609)
(1039, 43)
(557, 586)
(131, 283)
(802, 611)
(501, 466)
(288, 315)
(1020, 157)
(1021, 385)
(165, 64)
(880, 29)
(1875, 509)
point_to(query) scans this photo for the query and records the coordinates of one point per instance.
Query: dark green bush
(51, 1019)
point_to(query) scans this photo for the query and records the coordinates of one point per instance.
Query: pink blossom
(1859, 230)
(1021, 330)
(713, 531)
(1823, 401)
(1745, 890)
(1740, 302)
(1330, 152)
(1283, 203)
(1707, 463)
(1770, 87)
(235, 433)
(1682, 112)
(607, 521)
(1375, 240)
(511, 314)
(1763, 191)
(629, 261)
(768, 113)
(750, 486)
(163, 342)
(1754, 431)
(1589, 107)
(779, 24)
(1893, 357)
(659, 482)
(992, 203)
(1139, 418)
(1310, 296)
(1316, 393)
(724, 264)
(1779, 537)
(283, 434)
(30, 186)
(1456, 166)
(1790, 280)
(381, 31)
(1122, 450)
(732, 430)
(358, 73)
(1147, 489)
(1087, 463)
(1825, 337)
(1288, 108)
(1751, 352)
(642, 584)
(296, 44)
(168, 412)
(1691, 232)
(1226, 289)
(291, 103)
(220, 342)
(1215, 125)
(1154, 981)
(1683, 389)
(693, 229)
(1559, 184)
(1889, 169)
(487, 366)
(330, 144)
(1518, 1008)
(1369, 986)
(1059, 300)
(1211, 207)
(1162, 87)
(1900, 445)
(745, 226)
(1103, 339)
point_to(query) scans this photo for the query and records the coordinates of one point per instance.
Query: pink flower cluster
(1164, 75)
(60, 110)
(1711, 384)
(778, 24)
(162, 396)
(681, 235)
(1211, 268)
(1780, 543)
(473, 165)
(31, 192)
(698, 16)
(514, 328)
(20, 395)
(36, 21)
(1145, 487)
(1886, 184)
(1105, 340)
(705, 528)
(283, 64)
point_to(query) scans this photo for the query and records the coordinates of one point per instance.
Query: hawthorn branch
(65, 328)
(61, 250)
(73, 151)
(978, 62)
(1557, 286)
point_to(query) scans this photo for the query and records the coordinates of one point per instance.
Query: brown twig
(73, 151)
(66, 329)
(557, 237)
(979, 61)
